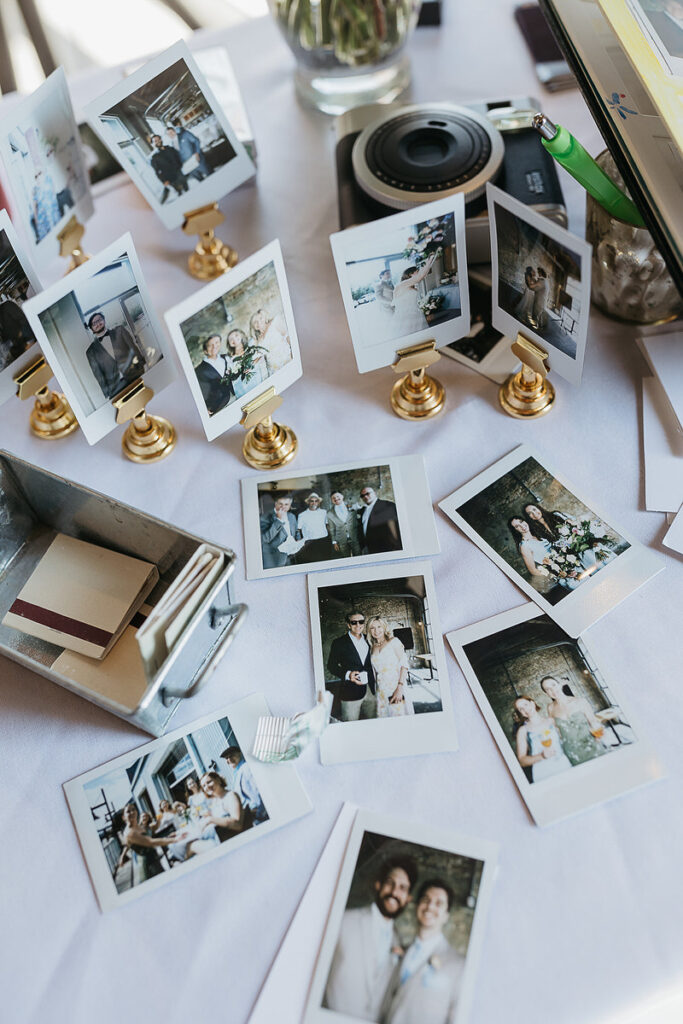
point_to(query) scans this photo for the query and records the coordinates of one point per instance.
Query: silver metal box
(34, 506)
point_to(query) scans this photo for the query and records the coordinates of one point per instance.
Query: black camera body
(392, 157)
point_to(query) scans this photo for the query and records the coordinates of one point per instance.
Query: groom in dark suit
(213, 374)
(114, 356)
(378, 523)
(349, 661)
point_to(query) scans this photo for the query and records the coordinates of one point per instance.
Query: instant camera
(392, 157)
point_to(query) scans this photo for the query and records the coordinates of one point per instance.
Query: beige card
(81, 596)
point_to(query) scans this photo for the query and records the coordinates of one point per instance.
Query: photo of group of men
(309, 520)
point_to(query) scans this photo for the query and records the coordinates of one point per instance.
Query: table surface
(586, 916)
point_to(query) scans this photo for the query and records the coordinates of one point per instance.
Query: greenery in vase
(357, 31)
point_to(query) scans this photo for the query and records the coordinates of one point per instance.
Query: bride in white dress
(408, 318)
(390, 666)
(525, 305)
(271, 332)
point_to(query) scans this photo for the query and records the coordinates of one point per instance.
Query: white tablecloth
(586, 919)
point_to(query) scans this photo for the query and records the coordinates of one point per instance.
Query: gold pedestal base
(211, 258)
(417, 396)
(51, 416)
(269, 445)
(526, 395)
(148, 438)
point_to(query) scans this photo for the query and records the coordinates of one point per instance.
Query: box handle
(217, 616)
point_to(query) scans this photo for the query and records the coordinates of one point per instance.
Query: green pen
(573, 157)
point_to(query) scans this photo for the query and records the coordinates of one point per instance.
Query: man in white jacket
(366, 952)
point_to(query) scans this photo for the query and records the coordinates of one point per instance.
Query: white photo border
(596, 596)
(238, 170)
(221, 421)
(431, 837)
(344, 243)
(44, 253)
(429, 733)
(413, 509)
(102, 421)
(279, 785)
(584, 785)
(570, 369)
(8, 386)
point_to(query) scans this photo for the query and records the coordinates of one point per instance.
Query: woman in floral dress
(390, 665)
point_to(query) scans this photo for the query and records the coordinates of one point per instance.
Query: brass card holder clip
(70, 238)
(146, 438)
(210, 257)
(51, 416)
(267, 445)
(528, 393)
(417, 396)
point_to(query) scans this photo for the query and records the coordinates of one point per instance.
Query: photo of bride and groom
(401, 951)
(542, 530)
(239, 340)
(405, 280)
(540, 282)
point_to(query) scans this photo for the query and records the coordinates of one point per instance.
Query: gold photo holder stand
(51, 417)
(210, 257)
(70, 238)
(146, 438)
(417, 396)
(267, 445)
(528, 393)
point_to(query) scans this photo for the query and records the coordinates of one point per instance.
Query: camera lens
(422, 153)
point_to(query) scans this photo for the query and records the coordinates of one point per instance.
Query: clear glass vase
(348, 52)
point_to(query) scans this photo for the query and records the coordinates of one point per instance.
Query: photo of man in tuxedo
(379, 530)
(425, 983)
(276, 528)
(213, 374)
(114, 356)
(349, 661)
(365, 958)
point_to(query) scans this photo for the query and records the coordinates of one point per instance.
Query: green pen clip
(569, 152)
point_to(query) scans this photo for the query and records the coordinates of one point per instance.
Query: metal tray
(34, 506)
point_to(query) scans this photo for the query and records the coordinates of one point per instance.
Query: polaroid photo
(99, 332)
(566, 555)
(377, 649)
(403, 280)
(18, 283)
(661, 21)
(165, 127)
(236, 338)
(662, 450)
(418, 897)
(352, 514)
(484, 348)
(541, 277)
(664, 353)
(46, 172)
(561, 728)
(181, 801)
